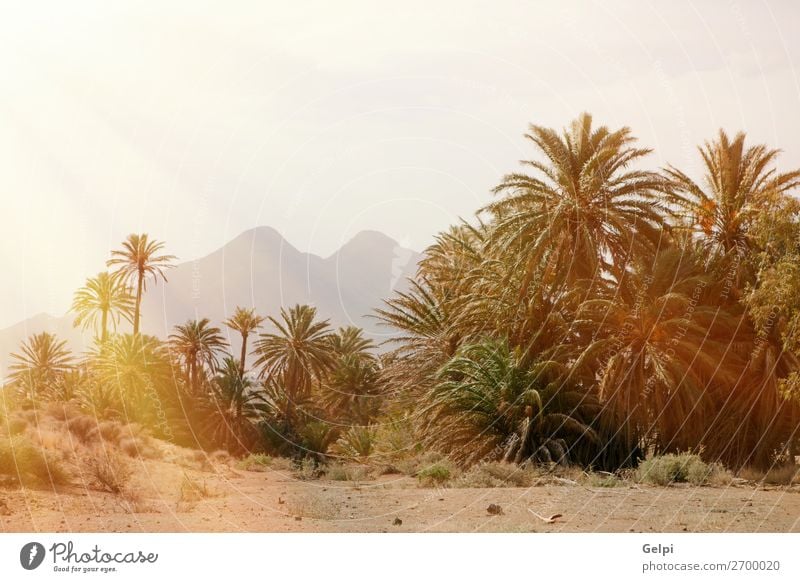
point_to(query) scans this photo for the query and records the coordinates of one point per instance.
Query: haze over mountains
(260, 269)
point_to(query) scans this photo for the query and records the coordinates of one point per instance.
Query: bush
(498, 474)
(340, 472)
(681, 468)
(435, 474)
(781, 475)
(194, 490)
(109, 471)
(83, 427)
(22, 462)
(258, 462)
(357, 443)
(16, 425)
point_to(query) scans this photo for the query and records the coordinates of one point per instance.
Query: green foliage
(357, 443)
(435, 474)
(487, 399)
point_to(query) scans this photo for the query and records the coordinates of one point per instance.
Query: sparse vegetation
(255, 462)
(681, 468)
(108, 471)
(436, 474)
(23, 462)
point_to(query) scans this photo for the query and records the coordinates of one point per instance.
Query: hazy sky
(196, 120)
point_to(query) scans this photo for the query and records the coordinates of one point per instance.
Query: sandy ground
(227, 500)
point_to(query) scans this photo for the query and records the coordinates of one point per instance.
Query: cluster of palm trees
(597, 311)
(594, 312)
(309, 383)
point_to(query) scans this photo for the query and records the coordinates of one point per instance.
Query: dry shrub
(257, 462)
(347, 472)
(193, 490)
(780, 475)
(83, 427)
(24, 463)
(412, 464)
(109, 431)
(498, 474)
(16, 425)
(681, 468)
(109, 471)
(63, 411)
(222, 457)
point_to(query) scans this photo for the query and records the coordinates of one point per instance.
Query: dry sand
(222, 499)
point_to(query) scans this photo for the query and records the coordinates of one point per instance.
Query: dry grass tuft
(193, 490)
(347, 472)
(780, 475)
(109, 471)
(681, 468)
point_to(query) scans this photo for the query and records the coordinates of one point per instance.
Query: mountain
(257, 269)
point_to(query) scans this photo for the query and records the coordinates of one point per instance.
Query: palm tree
(298, 354)
(43, 361)
(137, 260)
(583, 211)
(198, 345)
(350, 341)
(245, 321)
(738, 182)
(138, 368)
(104, 299)
(353, 390)
(667, 352)
(235, 408)
(486, 402)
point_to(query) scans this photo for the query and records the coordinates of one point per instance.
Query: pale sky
(194, 121)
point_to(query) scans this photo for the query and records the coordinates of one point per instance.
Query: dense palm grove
(594, 312)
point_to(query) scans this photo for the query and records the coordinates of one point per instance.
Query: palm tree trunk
(104, 324)
(136, 312)
(193, 376)
(244, 355)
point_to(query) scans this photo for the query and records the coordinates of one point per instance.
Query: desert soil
(222, 499)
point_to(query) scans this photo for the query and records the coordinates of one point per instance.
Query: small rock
(397, 521)
(494, 509)
(298, 518)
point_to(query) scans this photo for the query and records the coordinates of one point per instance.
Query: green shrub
(435, 474)
(357, 443)
(22, 462)
(681, 468)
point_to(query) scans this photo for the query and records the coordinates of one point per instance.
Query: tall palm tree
(138, 260)
(582, 211)
(245, 321)
(235, 408)
(43, 361)
(198, 345)
(299, 353)
(104, 299)
(739, 181)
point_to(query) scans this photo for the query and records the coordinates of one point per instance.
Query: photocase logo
(31, 555)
